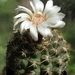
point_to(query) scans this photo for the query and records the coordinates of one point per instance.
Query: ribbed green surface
(44, 57)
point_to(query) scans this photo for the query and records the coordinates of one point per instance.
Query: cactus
(44, 57)
(36, 48)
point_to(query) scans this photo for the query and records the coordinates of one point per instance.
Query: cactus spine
(43, 57)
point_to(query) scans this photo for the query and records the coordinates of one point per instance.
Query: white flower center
(37, 19)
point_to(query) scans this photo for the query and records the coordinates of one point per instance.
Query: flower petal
(49, 4)
(25, 25)
(18, 21)
(45, 24)
(53, 20)
(38, 5)
(61, 15)
(48, 32)
(33, 32)
(21, 8)
(32, 5)
(41, 30)
(54, 10)
(44, 31)
(22, 27)
(59, 24)
(22, 15)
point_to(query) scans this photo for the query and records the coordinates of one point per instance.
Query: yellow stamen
(37, 19)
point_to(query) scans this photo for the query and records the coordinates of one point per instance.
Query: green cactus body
(43, 57)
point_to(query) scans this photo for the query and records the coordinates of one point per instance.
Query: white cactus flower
(41, 20)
